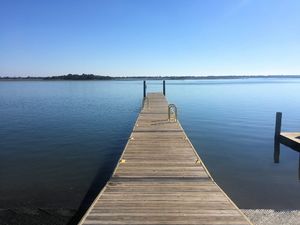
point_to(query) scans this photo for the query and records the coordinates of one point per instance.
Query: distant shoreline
(92, 77)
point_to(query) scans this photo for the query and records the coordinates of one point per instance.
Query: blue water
(57, 136)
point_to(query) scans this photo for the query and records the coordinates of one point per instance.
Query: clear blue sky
(154, 37)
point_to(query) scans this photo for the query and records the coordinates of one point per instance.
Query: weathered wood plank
(291, 136)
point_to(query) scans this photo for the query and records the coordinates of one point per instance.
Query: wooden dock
(160, 179)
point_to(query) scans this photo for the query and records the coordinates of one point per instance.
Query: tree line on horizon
(79, 77)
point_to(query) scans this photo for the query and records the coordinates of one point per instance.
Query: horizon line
(132, 76)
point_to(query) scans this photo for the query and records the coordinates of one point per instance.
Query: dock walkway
(160, 179)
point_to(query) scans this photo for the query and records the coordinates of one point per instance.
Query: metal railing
(172, 113)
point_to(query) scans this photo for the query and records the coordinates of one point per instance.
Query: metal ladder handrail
(172, 107)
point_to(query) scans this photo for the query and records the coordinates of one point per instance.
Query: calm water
(56, 137)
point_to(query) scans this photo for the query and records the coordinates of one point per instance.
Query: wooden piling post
(299, 168)
(145, 89)
(277, 137)
(164, 88)
(278, 125)
(276, 151)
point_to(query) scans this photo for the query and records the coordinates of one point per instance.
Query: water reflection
(277, 142)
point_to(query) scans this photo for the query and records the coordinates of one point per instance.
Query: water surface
(57, 136)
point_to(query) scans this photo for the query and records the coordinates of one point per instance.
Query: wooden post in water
(299, 168)
(278, 124)
(145, 89)
(277, 137)
(164, 88)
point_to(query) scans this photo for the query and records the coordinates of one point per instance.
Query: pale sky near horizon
(154, 37)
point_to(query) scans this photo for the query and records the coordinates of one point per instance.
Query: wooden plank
(291, 139)
(160, 179)
(293, 136)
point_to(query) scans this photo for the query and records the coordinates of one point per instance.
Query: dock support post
(144, 85)
(277, 137)
(299, 168)
(164, 88)
(278, 125)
